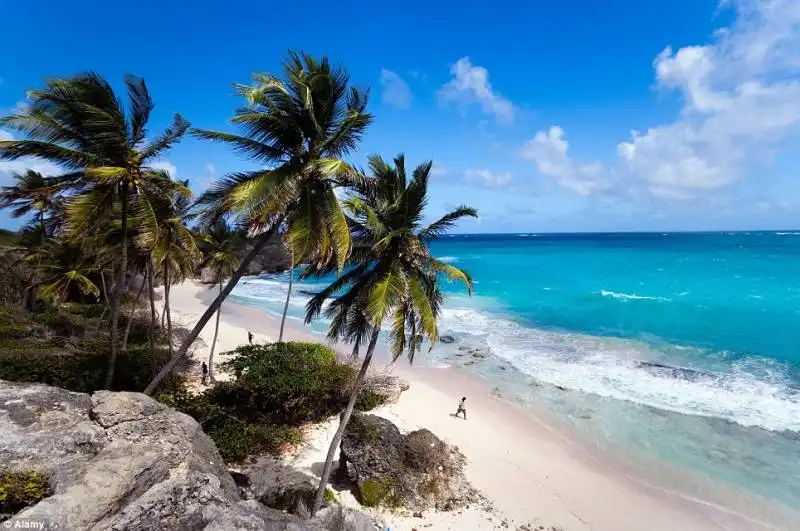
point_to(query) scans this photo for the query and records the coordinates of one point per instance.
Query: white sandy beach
(530, 473)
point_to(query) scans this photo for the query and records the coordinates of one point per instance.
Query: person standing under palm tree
(391, 276)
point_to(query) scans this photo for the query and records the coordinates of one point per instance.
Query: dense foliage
(67, 347)
(276, 389)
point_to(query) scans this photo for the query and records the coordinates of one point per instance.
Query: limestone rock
(419, 471)
(390, 387)
(122, 461)
(338, 517)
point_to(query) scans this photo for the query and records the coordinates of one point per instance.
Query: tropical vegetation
(111, 226)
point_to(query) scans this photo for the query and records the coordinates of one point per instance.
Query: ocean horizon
(676, 346)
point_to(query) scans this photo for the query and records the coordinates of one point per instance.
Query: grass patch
(364, 430)
(383, 492)
(369, 400)
(21, 489)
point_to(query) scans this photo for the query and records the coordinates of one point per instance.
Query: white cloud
(166, 166)
(487, 178)
(470, 84)
(9, 167)
(18, 107)
(437, 170)
(395, 90)
(548, 149)
(741, 98)
(211, 169)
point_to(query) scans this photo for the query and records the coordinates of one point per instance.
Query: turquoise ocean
(680, 347)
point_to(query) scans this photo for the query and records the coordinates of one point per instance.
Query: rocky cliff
(123, 461)
(273, 258)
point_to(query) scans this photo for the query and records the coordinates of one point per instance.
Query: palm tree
(300, 128)
(63, 267)
(219, 246)
(392, 274)
(81, 125)
(32, 193)
(160, 215)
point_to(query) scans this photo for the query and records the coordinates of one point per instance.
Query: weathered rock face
(418, 471)
(125, 462)
(389, 386)
(273, 258)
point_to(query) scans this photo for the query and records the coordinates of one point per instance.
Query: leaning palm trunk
(216, 332)
(153, 318)
(288, 296)
(130, 318)
(344, 420)
(118, 289)
(166, 300)
(212, 308)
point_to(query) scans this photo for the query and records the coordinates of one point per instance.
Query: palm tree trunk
(345, 418)
(105, 291)
(153, 318)
(213, 307)
(216, 331)
(118, 289)
(130, 319)
(288, 296)
(166, 299)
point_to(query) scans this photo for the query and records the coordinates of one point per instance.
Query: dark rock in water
(447, 339)
(478, 354)
(124, 461)
(417, 471)
(463, 348)
(561, 388)
(670, 371)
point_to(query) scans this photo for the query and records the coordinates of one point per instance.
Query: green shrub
(368, 400)
(276, 389)
(328, 496)
(236, 438)
(285, 383)
(382, 492)
(21, 489)
(363, 430)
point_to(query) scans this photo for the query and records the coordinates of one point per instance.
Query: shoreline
(531, 471)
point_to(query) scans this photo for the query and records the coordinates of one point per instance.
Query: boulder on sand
(417, 471)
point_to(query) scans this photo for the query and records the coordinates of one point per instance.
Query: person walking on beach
(204, 368)
(462, 407)
(250, 337)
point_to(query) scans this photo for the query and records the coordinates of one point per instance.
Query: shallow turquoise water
(683, 346)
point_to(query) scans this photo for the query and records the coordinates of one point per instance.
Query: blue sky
(546, 116)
